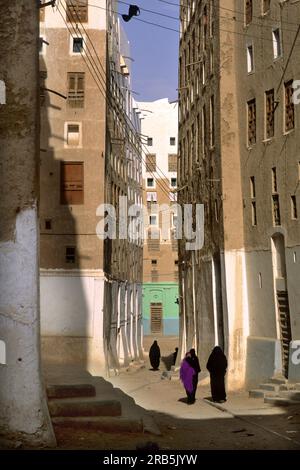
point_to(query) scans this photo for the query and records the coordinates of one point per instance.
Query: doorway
(156, 314)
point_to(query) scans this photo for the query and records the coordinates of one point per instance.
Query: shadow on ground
(276, 431)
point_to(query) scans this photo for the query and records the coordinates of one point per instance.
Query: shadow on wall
(66, 321)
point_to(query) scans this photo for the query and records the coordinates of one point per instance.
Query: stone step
(72, 408)
(278, 401)
(286, 387)
(259, 393)
(106, 424)
(291, 395)
(71, 391)
(278, 380)
(269, 387)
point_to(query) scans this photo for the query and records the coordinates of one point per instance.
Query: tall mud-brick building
(90, 155)
(239, 156)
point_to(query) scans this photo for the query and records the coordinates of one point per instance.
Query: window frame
(154, 182)
(72, 123)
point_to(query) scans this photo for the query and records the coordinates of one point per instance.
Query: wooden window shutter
(77, 11)
(251, 122)
(151, 162)
(248, 11)
(289, 106)
(72, 183)
(76, 89)
(269, 114)
(172, 162)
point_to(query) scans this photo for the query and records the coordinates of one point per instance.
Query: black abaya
(154, 355)
(217, 365)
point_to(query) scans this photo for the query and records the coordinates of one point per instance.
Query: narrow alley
(240, 423)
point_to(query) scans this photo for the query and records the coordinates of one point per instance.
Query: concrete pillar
(23, 409)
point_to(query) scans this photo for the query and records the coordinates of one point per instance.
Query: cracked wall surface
(23, 410)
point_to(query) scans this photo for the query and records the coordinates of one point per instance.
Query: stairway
(77, 406)
(277, 391)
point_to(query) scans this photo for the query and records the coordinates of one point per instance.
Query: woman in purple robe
(187, 373)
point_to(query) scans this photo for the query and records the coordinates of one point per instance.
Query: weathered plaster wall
(23, 409)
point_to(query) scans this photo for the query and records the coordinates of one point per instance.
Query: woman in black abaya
(217, 365)
(154, 355)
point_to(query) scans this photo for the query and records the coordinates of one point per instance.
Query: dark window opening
(70, 254)
(48, 224)
(77, 45)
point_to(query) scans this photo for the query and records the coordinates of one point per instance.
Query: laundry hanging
(133, 11)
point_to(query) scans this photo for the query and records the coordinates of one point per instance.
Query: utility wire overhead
(247, 35)
(264, 17)
(104, 80)
(103, 85)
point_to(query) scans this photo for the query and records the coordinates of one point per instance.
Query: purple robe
(186, 375)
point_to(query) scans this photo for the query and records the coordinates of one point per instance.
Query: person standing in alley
(154, 355)
(194, 362)
(217, 365)
(187, 373)
(175, 356)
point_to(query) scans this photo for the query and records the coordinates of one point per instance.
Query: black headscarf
(217, 361)
(194, 361)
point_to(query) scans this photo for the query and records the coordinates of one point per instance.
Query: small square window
(173, 182)
(153, 219)
(149, 141)
(172, 141)
(73, 135)
(150, 183)
(70, 254)
(154, 262)
(151, 196)
(77, 45)
(48, 224)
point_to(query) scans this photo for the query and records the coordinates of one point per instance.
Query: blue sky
(154, 50)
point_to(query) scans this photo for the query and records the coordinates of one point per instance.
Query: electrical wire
(262, 17)
(104, 79)
(105, 96)
(247, 35)
(218, 16)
